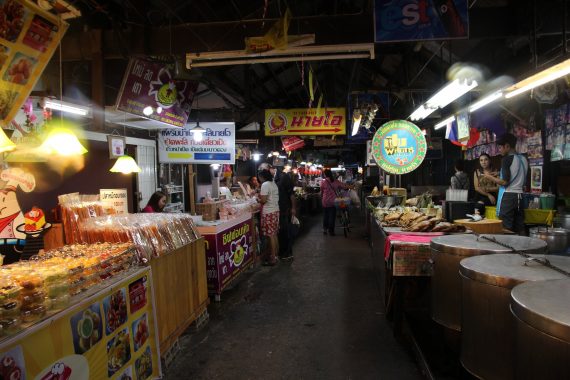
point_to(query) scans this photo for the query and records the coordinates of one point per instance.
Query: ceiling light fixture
(452, 91)
(356, 119)
(486, 100)
(198, 132)
(126, 165)
(62, 106)
(147, 111)
(445, 122)
(543, 77)
(290, 54)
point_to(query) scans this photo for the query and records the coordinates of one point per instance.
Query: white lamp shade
(125, 165)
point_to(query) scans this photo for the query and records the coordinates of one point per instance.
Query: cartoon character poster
(17, 228)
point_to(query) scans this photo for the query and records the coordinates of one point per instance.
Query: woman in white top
(269, 198)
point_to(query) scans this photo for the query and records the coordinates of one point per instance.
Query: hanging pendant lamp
(6, 145)
(126, 165)
(62, 142)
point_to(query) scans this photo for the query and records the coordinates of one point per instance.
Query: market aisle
(318, 317)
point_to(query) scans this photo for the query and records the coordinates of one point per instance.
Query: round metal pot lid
(471, 244)
(550, 231)
(509, 270)
(544, 305)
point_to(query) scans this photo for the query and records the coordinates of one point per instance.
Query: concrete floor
(318, 317)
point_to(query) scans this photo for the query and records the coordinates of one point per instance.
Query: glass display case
(171, 180)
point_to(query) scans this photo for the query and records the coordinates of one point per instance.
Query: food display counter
(92, 317)
(172, 246)
(230, 247)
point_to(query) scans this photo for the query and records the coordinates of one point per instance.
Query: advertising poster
(115, 201)
(152, 84)
(292, 143)
(536, 179)
(463, 126)
(412, 20)
(76, 343)
(399, 147)
(228, 253)
(28, 39)
(305, 122)
(178, 146)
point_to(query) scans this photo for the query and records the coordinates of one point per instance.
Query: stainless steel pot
(447, 252)
(562, 220)
(557, 239)
(541, 313)
(487, 336)
(386, 200)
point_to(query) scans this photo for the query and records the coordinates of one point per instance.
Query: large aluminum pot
(557, 239)
(447, 252)
(562, 220)
(487, 337)
(542, 329)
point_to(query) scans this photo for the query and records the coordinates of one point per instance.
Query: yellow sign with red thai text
(305, 121)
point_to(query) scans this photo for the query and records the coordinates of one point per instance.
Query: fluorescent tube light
(453, 90)
(61, 106)
(543, 77)
(356, 122)
(486, 100)
(445, 122)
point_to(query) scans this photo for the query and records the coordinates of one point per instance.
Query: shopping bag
(354, 198)
(294, 227)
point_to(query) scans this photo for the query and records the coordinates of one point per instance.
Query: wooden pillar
(97, 80)
(191, 188)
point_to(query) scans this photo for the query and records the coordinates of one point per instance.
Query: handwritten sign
(115, 199)
(180, 146)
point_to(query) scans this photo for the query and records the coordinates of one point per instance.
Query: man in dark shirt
(514, 170)
(287, 207)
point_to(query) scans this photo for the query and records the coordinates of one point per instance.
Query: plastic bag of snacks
(75, 208)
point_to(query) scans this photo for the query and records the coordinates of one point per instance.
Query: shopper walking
(460, 180)
(287, 207)
(269, 198)
(514, 170)
(156, 202)
(329, 190)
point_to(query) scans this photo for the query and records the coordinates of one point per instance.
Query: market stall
(89, 307)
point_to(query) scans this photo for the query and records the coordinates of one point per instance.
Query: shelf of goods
(81, 311)
(230, 247)
(176, 253)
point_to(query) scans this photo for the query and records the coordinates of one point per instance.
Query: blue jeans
(329, 218)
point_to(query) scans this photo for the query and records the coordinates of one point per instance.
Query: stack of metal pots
(487, 336)
(541, 313)
(448, 251)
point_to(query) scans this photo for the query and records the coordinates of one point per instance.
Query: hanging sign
(180, 146)
(115, 200)
(399, 147)
(463, 126)
(305, 122)
(412, 20)
(109, 335)
(28, 39)
(151, 84)
(536, 179)
(292, 143)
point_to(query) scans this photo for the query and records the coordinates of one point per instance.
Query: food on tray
(414, 221)
(33, 312)
(34, 219)
(408, 217)
(10, 325)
